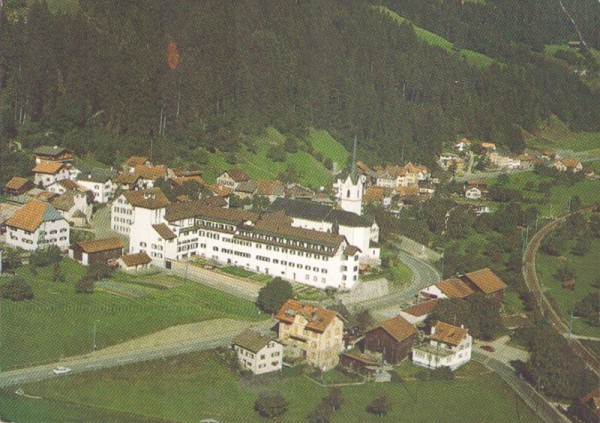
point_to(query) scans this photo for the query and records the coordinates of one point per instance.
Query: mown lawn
(326, 145)
(200, 386)
(587, 269)
(59, 323)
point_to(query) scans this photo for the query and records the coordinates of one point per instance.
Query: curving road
(542, 303)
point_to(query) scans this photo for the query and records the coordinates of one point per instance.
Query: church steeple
(354, 169)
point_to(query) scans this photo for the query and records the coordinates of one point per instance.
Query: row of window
(122, 220)
(122, 210)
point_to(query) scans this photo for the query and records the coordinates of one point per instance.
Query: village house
(568, 165)
(298, 192)
(504, 161)
(100, 182)
(270, 190)
(53, 154)
(47, 173)
(447, 161)
(473, 193)
(446, 346)
(150, 174)
(93, 251)
(18, 186)
(127, 181)
(131, 163)
(311, 332)
(482, 281)
(245, 189)
(74, 207)
(134, 262)
(122, 216)
(418, 313)
(257, 352)
(380, 196)
(463, 145)
(232, 178)
(35, 225)
(393, 338)
(63, 186)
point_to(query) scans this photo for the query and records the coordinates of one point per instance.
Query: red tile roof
(486, 281)
(138, 259)
(98, 245)
(134, 161)
(50, 168)
(318, 319)
(421, 309)
(238, 175)
(398, 327)
(30, 216)
(17, 183)
(454, 288)
(448, 334)
(151, 173)
(152, 198)
(164, 231)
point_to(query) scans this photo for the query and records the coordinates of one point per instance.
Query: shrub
(97, 271)
(380, 406)
(322, 413)
(85, 285)
(16, 290)
(270, 405)
(57, 275)
(45, 256)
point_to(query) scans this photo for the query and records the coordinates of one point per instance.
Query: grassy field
(587, 269)
(472, 57)
(258, 166)
(555, 135)
(556, 201)
(199, 386)
(59, 323)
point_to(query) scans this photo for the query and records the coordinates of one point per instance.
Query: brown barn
(393, 338)
(97, 251)
(359, 362)
(486, 282)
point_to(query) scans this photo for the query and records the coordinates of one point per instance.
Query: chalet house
(298, 192)
(35, 225)
(97, 251)
(232, 178)
(133, 161)
(270, 189)
(100, 182)
(53, 154)
(418, 313)
(18, 186)
(568, 165)
(150, 174)
(74, 207)
(446, 346)
(245, 189)
(122, 215)
(393, 338)
(134, 262)
(451, 288)
(47, 173)
(311, 332)
(128, 181)
(63, 186)
(257, 352)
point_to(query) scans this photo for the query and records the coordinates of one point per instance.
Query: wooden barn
(393, 338)
(97, 251)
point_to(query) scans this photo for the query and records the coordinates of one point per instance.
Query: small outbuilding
(97, 251)
(134, 262)
(257, 352)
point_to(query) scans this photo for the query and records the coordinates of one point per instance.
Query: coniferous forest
(111, 77)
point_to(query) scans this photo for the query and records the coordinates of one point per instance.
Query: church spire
(354, 170)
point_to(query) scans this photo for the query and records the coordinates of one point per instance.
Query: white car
(61, 370)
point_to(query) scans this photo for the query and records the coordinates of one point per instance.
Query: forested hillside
(112, 77)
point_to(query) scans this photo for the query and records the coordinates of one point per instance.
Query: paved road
(542, 303)
(118, 357)
(389, 306)
(546, 411)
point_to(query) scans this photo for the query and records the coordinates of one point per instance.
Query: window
(142, 244)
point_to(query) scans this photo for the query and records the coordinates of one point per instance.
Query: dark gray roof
(47, 150)
(314, 211)
(247, 186)
(97, 175)
(252, 340)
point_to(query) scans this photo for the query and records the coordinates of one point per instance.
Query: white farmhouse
(47, 173)
(447, 346)
(100, 182)
(258, 353)
(37, 225)
(232, 178)
(473, 193)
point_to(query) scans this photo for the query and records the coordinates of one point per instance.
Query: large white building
(122, 214)
(257, 352)
(447, 346)
(37, 225)
(262, 243)
(360, 231)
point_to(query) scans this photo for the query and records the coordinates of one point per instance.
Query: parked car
(61, 370)
(488, 348)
